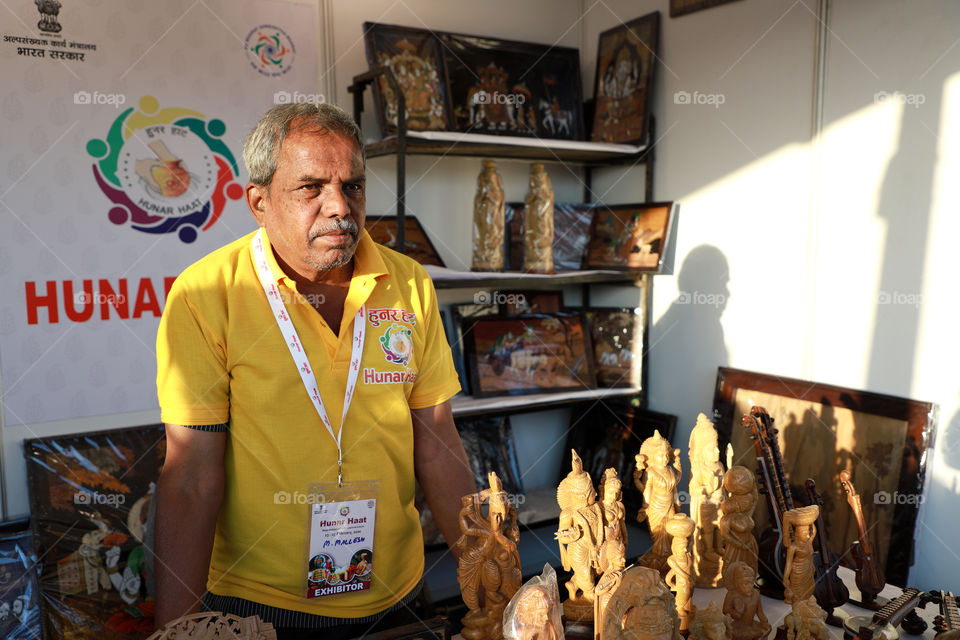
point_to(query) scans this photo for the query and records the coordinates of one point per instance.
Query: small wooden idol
(798, 572)
(489, 567)
(614, 516)
(488, 220)
(580, 536)
(806, 621)
(706, 493)
(736, 519)
(742, 603)
(712, 624)
(657, 476)
(614, 563)
(641, 607)
(534, 612)
(680, 578)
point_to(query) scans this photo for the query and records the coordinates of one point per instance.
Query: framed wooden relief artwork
(571, 234)
(617, 338)
(413, 55)
(516, 303)
(488, 442)
(503, 87)
(90, 498)
(417, 245)
(528, 354)
(626, 60)
(19, 591)
(683, 7)
(609, 434)
(628, 237)
(823, 429)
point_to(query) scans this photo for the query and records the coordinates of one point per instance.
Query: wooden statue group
(651, 599)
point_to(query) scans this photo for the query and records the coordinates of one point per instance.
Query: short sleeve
(437, 380)
(193, 385)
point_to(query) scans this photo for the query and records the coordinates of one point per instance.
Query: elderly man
(304, 380)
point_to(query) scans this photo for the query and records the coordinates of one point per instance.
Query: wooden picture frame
(19, 588)
(623, 85)
(616, 334)
(571, 234)
(417, 244)
(824, 429)
(629, 237)
(528, 354)
(89, 499)
(506, 87)
(609, 434)
(683, 7)
(488, 442)
(413, 55)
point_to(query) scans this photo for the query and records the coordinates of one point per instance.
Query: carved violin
(870, 577)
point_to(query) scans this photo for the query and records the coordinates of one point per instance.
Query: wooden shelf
(452, 143)
(444, 278)
(464, 406)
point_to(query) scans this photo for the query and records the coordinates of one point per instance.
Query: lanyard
(299, 355)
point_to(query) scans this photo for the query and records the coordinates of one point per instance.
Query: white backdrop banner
(120, 164)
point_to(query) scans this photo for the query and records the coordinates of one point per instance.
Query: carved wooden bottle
(538, 223)
(488, 220)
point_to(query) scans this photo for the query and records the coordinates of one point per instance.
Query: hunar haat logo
(270, 50)
(397, 344)
(165, 170)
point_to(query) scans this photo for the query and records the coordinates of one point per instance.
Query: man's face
(315, 206)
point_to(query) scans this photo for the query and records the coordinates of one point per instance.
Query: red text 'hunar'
(105, 301)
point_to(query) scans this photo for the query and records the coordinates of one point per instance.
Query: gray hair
(262, 146)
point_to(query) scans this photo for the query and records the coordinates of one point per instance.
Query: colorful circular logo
(270, 50)
(165, 170)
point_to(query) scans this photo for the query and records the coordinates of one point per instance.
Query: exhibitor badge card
(341, 547)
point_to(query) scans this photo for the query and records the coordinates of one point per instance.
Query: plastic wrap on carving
(90, 496)
(19, 601)
(488, 220)
(538, 223)
(534, 612)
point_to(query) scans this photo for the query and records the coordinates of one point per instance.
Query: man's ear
(257, 197)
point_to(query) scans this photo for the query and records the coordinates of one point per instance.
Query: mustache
(336, 225)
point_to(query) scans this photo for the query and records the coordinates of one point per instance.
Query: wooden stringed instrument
(773, 484)
(870, 576)
(828, 588)
(900, 611)
(947, 624)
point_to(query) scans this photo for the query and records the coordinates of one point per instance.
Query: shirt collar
(367, 261)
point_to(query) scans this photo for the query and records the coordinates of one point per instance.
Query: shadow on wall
(687, 343)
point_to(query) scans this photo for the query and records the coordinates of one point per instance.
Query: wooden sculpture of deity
(799, 527)
(489, 566)
(736, 520)
(712, 624)
(640, 608)
(706, 493)
(742, 603)
(680, 577)
(580, 535)
(657, 475)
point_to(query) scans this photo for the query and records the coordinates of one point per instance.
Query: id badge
(339, 548)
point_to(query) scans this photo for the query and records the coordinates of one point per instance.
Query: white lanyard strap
(294, 344)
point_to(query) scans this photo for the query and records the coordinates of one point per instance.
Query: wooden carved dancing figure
(657, 475)
(489, 567)
(580, 536)
(706, 493)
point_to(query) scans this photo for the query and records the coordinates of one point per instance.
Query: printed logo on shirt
(377, 316)
(397, 344)
(373, 376)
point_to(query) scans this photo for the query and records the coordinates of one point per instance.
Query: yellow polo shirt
(222, 359)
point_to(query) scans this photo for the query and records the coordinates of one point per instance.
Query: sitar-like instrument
(828, 588)
(882, 625)
(869, 573)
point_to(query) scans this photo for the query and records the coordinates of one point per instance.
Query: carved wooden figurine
(213, 625)
(614, 561)
(488, 220)
(534, 612)
(680, 578)
(712, 624)
(806, 621)
(657, 475)
(580, 535)
(614, 518)
(798, 574)
(489, 567)
(736, 520)
(706, 493)
(640, 608)
(538, 223)
(742, 603)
